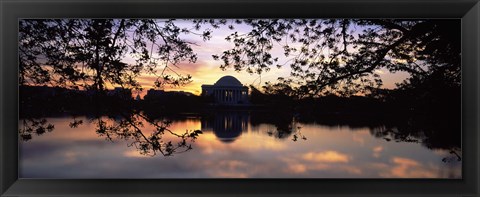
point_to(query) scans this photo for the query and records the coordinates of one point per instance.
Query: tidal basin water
(235, 145)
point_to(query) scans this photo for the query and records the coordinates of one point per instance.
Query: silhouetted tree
(90, 53)
(341, 55)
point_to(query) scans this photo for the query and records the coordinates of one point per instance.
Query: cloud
(231, 175)
(229, 169)
(358, 139)
(209, 144)
(300, 167)
(405, 161)
(232, 165)
(297, 168)
(377, 151)
(351, 169)
(326, 156)
(408, 168)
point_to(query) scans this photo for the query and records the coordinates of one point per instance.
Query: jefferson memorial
(227, 91)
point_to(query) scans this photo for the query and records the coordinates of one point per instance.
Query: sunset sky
(207, 71)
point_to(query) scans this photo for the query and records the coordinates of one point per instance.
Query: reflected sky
(232, 147)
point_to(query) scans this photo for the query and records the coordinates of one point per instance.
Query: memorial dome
(228, 81)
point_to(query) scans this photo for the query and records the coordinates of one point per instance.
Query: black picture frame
(13, 10)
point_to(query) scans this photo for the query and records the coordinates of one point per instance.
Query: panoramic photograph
(239, 98)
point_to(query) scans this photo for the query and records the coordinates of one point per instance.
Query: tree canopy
(341, 56)
(90, 53)
(325, 56)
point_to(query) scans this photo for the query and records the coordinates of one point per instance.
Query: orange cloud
(297, 168)
(377, 151)
(326, 156)
(408, 168)
(230, 175)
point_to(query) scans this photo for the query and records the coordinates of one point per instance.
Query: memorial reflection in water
(226, 125)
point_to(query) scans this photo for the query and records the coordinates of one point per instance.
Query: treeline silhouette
(41, 101)
(434, 97)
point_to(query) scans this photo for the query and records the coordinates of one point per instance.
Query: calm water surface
(233, 146)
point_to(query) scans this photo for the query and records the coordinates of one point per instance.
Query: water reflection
(226, 125)
(238, 143)
(33, 126)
